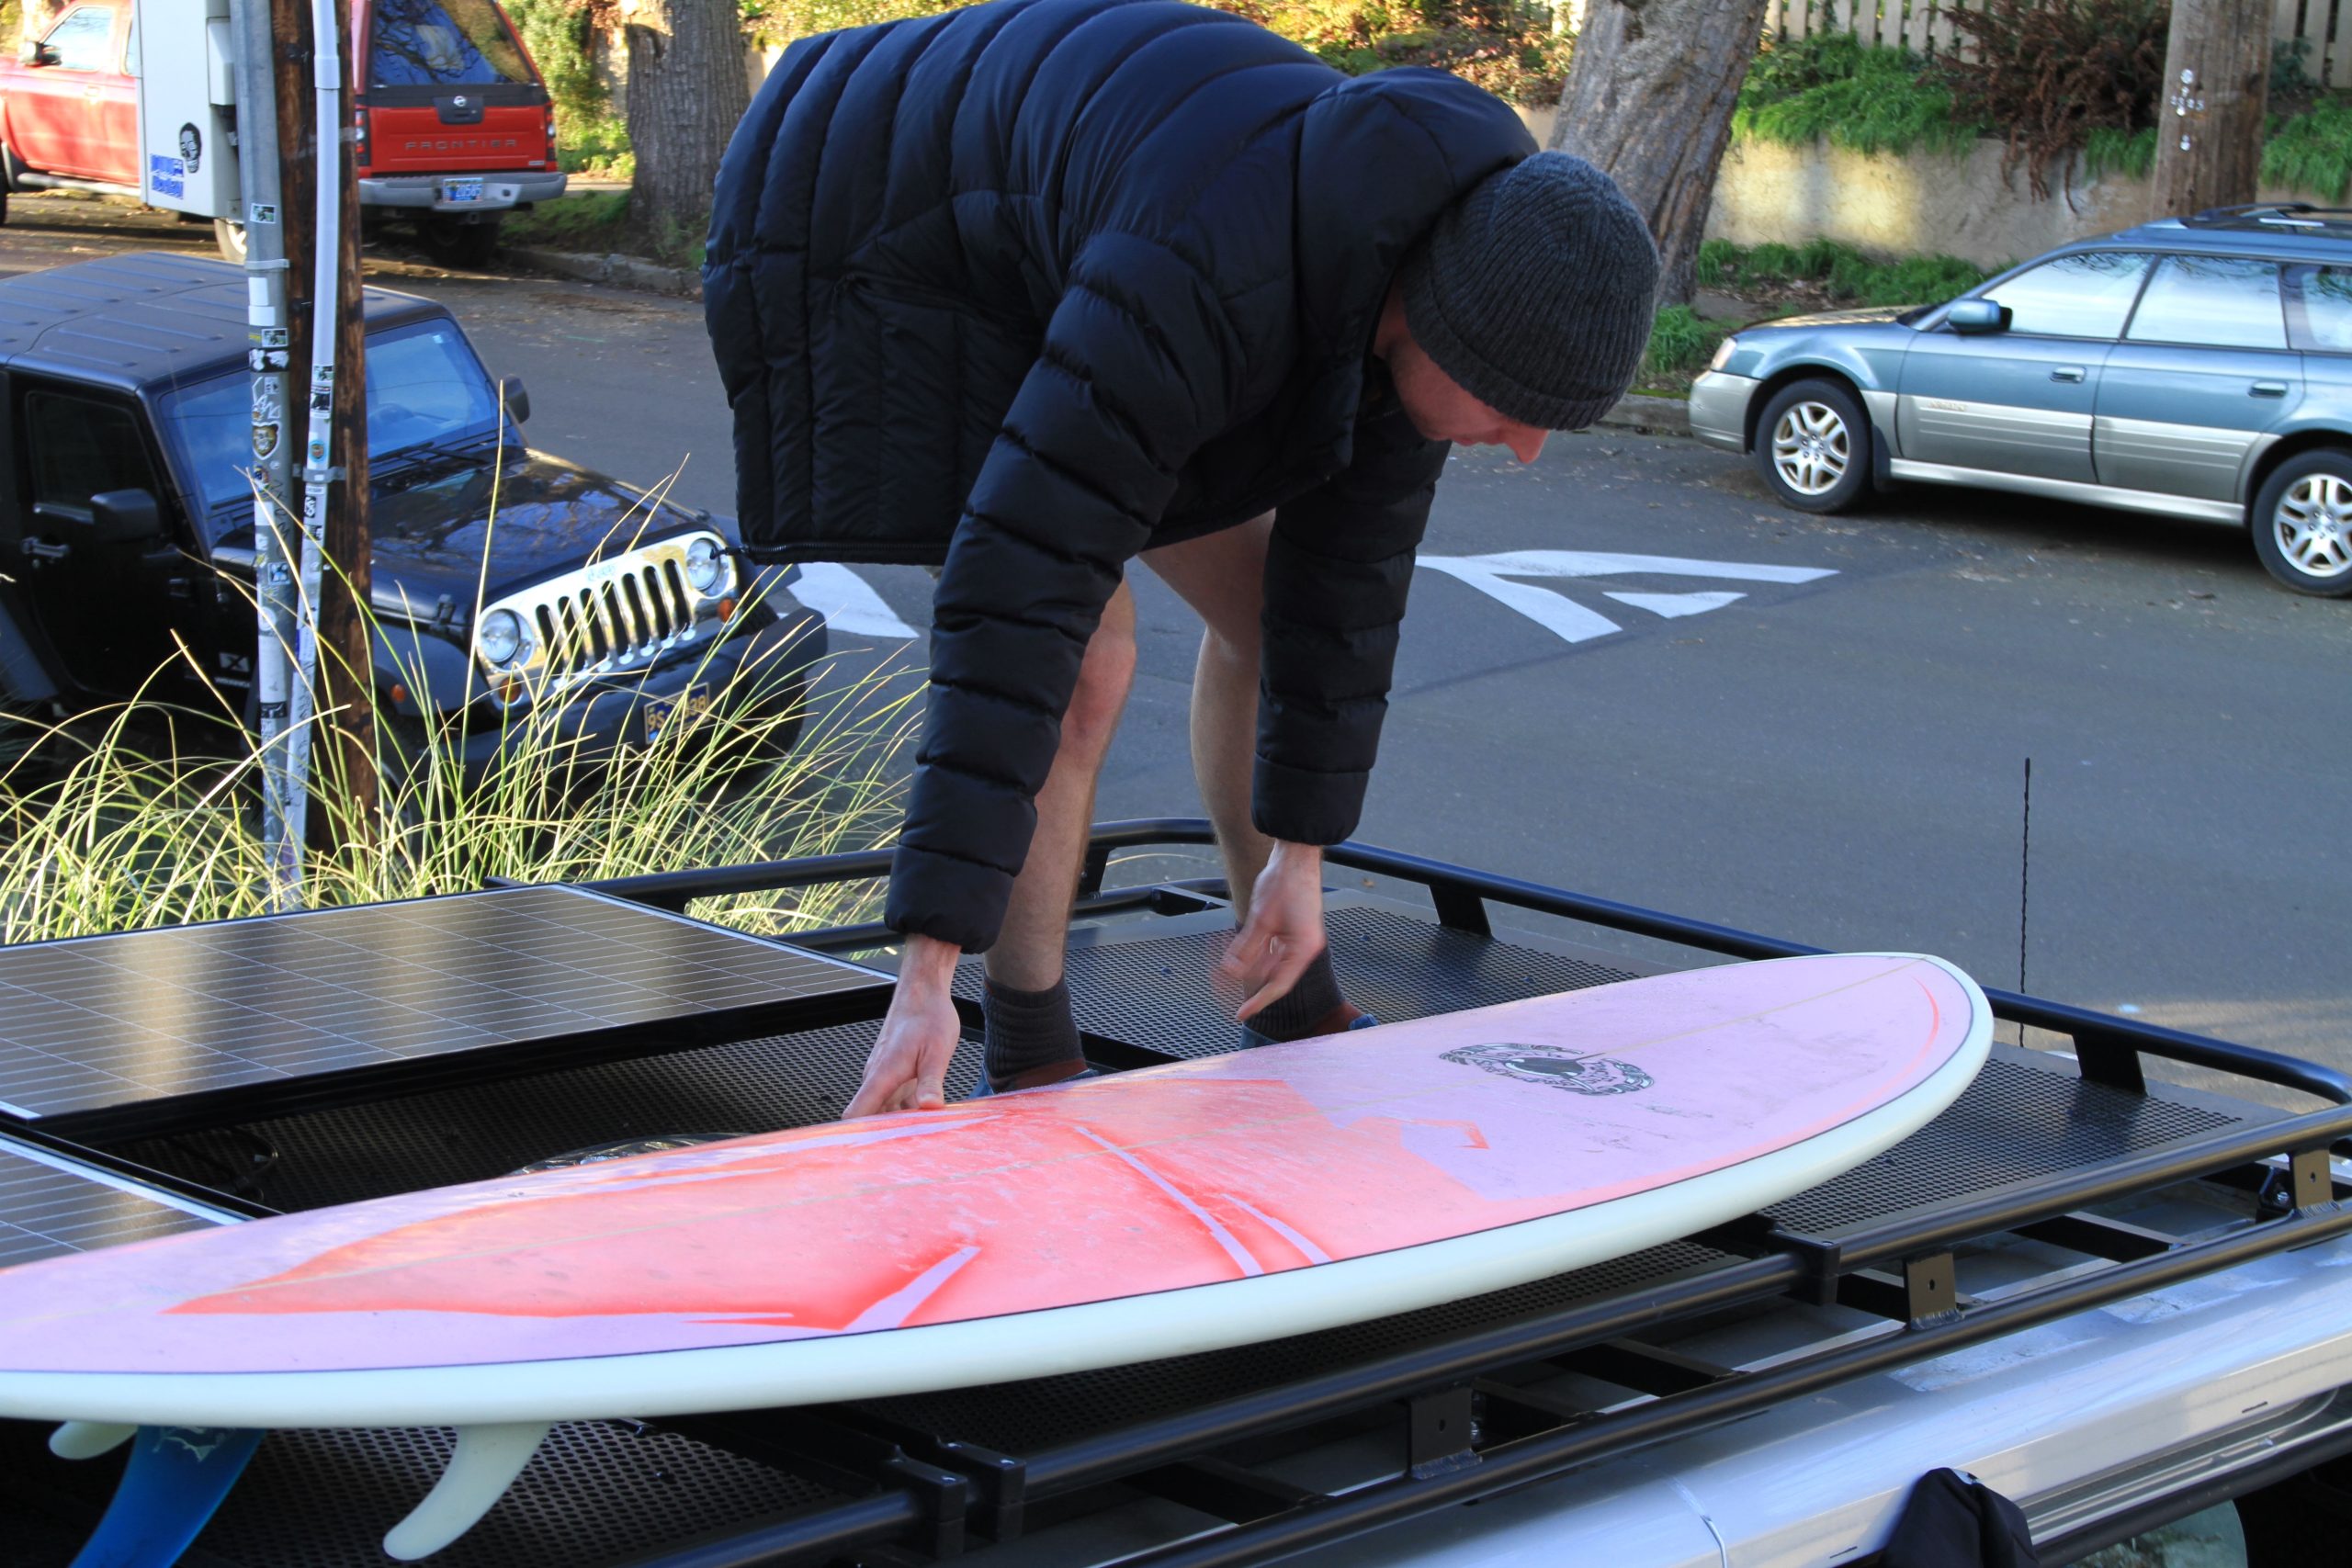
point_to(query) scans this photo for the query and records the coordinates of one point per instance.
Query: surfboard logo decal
(1572, 1070)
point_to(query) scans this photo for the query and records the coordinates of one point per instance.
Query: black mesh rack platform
(2043, 1145)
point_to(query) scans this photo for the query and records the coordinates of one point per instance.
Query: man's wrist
(1294, 857)
(928, 964)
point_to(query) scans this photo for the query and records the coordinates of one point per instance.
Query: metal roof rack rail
(2272, 215)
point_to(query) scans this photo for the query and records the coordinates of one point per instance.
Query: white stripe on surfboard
(1225, 1238)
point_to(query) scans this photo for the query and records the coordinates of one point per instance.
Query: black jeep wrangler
(127, 510)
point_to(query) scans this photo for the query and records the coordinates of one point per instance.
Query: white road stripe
(847, 602)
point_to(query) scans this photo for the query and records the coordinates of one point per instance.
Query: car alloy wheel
(1811, 448)
(2311, 525)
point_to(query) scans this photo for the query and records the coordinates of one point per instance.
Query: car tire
(457, 243)
(2302, 523)
(229, 235)
(1813, 446)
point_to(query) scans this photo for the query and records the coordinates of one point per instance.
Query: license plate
(660, 716)
(461, 190)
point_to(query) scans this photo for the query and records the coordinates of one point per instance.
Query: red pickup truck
(455, 126)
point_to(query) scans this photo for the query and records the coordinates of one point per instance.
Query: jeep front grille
(623, 618)
(612, 617)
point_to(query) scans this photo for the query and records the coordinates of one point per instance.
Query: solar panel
(51, 1205)
(96, 1022)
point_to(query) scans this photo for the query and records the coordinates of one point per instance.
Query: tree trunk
(2217, 93)
(1648, 100)
(346, 686)
(687, 87)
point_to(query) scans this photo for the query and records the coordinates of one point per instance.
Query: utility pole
(277, 546)
(290, 59)
(345, 687)
(2216, 92)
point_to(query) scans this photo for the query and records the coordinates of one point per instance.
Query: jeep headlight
(501, 637)
(1723, 351)
(705, 564)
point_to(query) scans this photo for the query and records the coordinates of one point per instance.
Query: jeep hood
(433, 524)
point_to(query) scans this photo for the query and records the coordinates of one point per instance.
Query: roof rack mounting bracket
(1441, 1433)
(1756, 1235)
(2310, 1180)
(2108, 1059)
(1930, 1283)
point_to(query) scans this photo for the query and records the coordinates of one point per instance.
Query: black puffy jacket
(1037, 285)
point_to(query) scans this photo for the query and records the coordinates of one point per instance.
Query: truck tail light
(359, 135)
(548, 110)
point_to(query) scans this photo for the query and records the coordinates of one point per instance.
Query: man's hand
(1284, 930)
(907, 1069)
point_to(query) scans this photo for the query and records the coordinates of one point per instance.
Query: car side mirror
(1974, 318)
(517, 397)
(36, 53)
(125, 517)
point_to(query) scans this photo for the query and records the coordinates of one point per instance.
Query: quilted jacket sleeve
(1336, 573)
(1136, 369)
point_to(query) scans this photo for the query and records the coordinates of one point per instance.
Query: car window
(441, 43)
(2085, 294)
(80, 448)
(424, 384)
(130, 47)
(81, 37)
(2326, 324)
(2221, 301)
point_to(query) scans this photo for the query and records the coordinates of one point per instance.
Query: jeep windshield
(428, 400)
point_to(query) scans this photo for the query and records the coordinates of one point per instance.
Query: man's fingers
(1276, 984)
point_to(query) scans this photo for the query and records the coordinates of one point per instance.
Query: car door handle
(2267, 390)
(2067, 373)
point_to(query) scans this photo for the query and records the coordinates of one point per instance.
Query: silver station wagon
(2198, 367)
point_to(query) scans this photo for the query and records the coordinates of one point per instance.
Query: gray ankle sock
(1027, 1030)
(1313, 999)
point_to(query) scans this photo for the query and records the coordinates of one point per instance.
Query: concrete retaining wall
(1917, 204)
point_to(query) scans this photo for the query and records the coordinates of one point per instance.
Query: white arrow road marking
(847, 602)
(1672, 605)
(1572, 622)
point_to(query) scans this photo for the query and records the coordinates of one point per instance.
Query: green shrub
(1829, 87)
(1847, 276)
(1681, 344)
(2313, 151)
(589, 136)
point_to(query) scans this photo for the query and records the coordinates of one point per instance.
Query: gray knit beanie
(1535, 290)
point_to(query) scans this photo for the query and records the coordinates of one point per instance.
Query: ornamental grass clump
(148, 813)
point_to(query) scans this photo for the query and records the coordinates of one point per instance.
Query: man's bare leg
(1222, 576)
(1028, 951)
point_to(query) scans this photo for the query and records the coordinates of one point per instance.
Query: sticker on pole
(167, 176)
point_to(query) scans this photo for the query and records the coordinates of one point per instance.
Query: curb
(1657, 416)
(627, 271)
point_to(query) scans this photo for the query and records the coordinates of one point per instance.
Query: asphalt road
(1815, 728)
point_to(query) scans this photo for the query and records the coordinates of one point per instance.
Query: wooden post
(346, 692)
(2216, 92)
(297, 184)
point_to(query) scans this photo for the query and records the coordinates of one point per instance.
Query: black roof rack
(2272, 215)
(2036, 1149)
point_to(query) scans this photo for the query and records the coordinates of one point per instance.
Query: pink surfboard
(1152, 1213)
